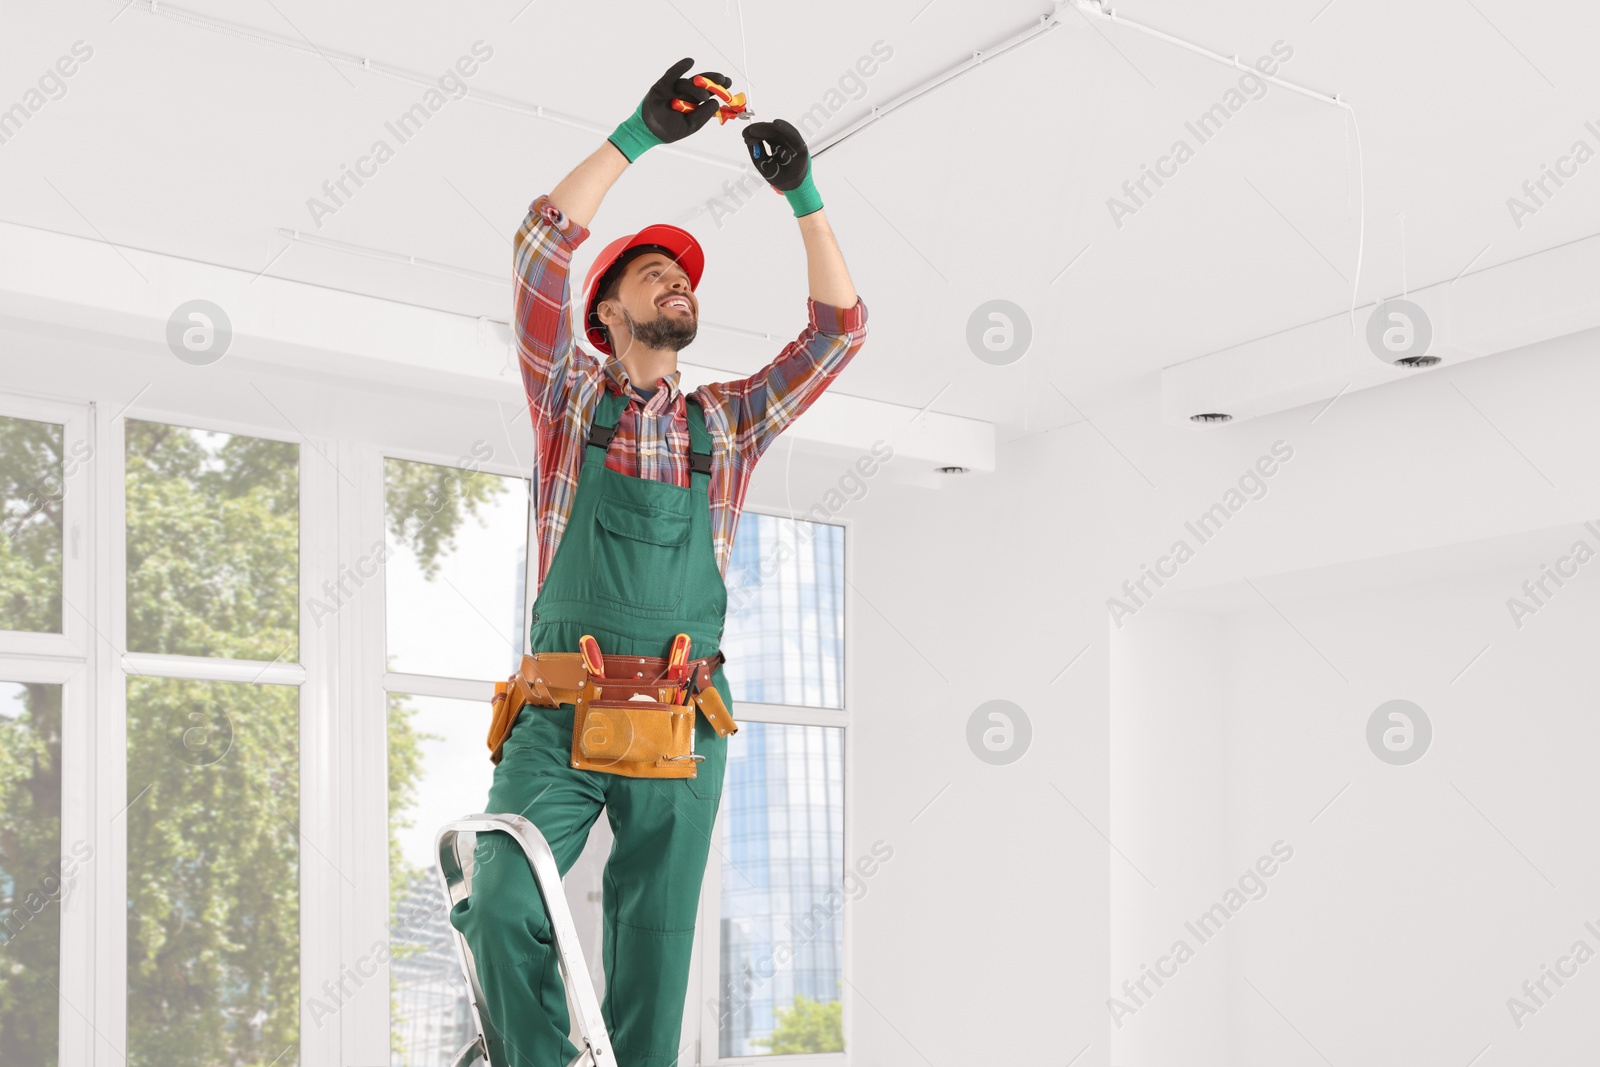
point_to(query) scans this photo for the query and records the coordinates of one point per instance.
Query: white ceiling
(186, 140)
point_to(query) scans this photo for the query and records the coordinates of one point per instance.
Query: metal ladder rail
(595, 1048)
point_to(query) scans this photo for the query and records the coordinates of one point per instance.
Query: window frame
(76, 421)
(65, 659)
(373, 684)
(312, 675)
(344, 690)
(76, 950)
(704, 976)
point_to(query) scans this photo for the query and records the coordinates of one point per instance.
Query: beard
(663, 331)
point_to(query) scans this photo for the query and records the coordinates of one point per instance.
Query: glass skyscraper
(782, 930)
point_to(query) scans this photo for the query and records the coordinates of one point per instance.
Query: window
(247, 672)
(45, 851)
(772, 958)
(455, 603)
(782, 941)
(213, 801)
(455, 570)
(32, 489)
(785, 626)
(213, 544)
(438, 770)
(36, 873)
(214, 858)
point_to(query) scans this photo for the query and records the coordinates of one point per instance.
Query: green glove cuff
(633, 137)
(805, 199)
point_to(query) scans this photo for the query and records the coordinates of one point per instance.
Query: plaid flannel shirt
(564, 386)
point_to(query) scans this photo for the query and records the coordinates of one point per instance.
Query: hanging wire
(744, 51)
(1404, 291)
(1361, 233)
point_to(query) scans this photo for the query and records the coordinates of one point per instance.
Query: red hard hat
(680, 244)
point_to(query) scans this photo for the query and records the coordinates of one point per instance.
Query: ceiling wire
(744, 50)
(1361, 233)
(1404, 291)
(1099, 9)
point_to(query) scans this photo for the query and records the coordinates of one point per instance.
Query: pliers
(733, 105)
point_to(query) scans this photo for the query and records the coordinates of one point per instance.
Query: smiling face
(652, 305)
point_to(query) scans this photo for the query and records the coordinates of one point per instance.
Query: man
(639, 493)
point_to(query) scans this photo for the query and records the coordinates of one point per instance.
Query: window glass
(33, 474)
(783, 891)
(456, 557)
(214, 853)
(213, 544)
(439, 770)
(37, 874)
(784, 637)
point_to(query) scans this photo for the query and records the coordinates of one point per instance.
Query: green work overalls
(634, 567)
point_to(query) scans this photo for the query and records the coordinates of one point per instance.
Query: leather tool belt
(634, 721)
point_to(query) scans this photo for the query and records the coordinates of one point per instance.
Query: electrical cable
(1361, 233)
(1100, 10)
(744, 49)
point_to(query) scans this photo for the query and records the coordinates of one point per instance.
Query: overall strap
(699, 443)
(606, 415)
(609, 412)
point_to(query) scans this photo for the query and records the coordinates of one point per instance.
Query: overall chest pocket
(641, 555)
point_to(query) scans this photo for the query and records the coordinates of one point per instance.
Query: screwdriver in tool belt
(591, 656)
(677, 669)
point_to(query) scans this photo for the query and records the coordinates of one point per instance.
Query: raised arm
(765, 403)
(781, 156)
(580, 192)
(825, 270)
(773, 397)
(542, 322)
(558, 223)
(655, 121)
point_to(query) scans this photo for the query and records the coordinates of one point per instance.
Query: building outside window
(780, 935)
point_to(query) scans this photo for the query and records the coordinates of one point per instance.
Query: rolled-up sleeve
(773, 397)
(546, 347)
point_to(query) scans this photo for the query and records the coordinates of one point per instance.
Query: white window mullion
(77, 907)
(327, 864)
(789, 714)
(82, 480)
(851, 847)
(108, 723)
(428, 685)
(365, 728)
(217, 669)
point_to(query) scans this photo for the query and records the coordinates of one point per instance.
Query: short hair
(611, 283)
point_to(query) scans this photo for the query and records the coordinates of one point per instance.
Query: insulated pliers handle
(592, 660)
(733, 105)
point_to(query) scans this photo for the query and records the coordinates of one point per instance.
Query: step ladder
(594, 1044)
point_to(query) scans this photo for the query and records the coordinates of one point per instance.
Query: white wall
(1169, 743)
(1379, 566)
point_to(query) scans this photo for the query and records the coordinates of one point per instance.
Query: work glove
(781, 155)
(654, 122)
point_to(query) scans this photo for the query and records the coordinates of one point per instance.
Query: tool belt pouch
(635, 738)
(539, 684)
(505, 706)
